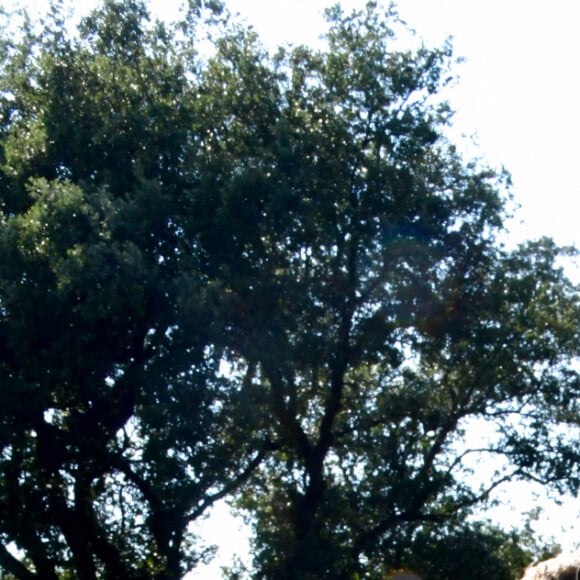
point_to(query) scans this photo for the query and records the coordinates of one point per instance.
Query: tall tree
(115, 429)
(268, 278)
(373, 303)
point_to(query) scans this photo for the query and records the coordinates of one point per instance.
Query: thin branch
(235, 484)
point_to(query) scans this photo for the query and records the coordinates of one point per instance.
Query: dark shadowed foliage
(267, 278)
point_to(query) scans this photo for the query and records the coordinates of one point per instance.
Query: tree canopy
(263, 277)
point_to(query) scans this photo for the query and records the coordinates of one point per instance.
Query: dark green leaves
(266, 279)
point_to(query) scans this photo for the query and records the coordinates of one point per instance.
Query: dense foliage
(272, 279)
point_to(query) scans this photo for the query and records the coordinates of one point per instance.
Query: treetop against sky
(305, 220)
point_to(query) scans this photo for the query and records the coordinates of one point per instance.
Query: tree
(115, 429)
(374, 304)
(267, 278)
(463, 552)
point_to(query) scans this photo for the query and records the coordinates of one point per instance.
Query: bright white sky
(518, 95)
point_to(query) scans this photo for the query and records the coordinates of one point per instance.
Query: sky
(516, 103)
